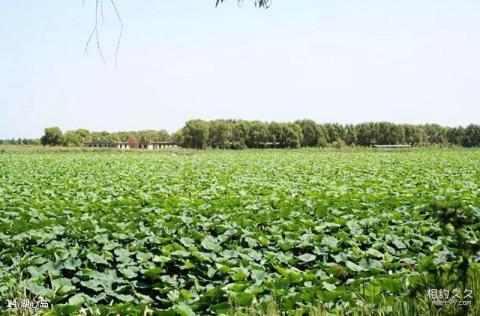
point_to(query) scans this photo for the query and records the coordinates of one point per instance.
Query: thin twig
(99, 48)
(101, 12)
(121, 31)
(95, 30)
(95, 33)
(259, 3)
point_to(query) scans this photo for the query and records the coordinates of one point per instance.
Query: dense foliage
(53, 136)
(239, 134)
(204, 231)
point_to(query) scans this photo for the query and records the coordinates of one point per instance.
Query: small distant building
(98, 144)
(157, 145)
(123, 145)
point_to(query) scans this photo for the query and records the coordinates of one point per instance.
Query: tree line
(239, 134)
(53, 136)
(20, 141)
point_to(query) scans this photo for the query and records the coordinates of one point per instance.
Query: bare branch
(258, 3)
(121, 31)
(100, 14)
(95, 31)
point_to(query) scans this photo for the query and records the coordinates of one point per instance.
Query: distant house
(98, 144)
(157, 145)
(125, 145)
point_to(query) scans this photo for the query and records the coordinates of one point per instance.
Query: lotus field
(222, 232)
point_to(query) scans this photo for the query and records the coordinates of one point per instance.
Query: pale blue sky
(336, 60)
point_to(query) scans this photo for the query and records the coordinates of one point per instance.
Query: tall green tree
(257, 134)
(365, 134)
(220, 134)
(350, 135)
(414, 134)
(456, 136)
(292, 136)
(334, 132)
(275, 134)
(436, 134)
(472, 136)
(311, 133)
(240, 130)
(72, 139)
(195, 134)
(84, 135)
(387, 133)
(52, 136)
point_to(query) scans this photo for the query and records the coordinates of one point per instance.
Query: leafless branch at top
(95, 31)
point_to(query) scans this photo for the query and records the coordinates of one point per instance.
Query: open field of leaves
(216, 231)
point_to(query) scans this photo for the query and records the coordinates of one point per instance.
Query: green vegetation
(240, 233)
(239, 134)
